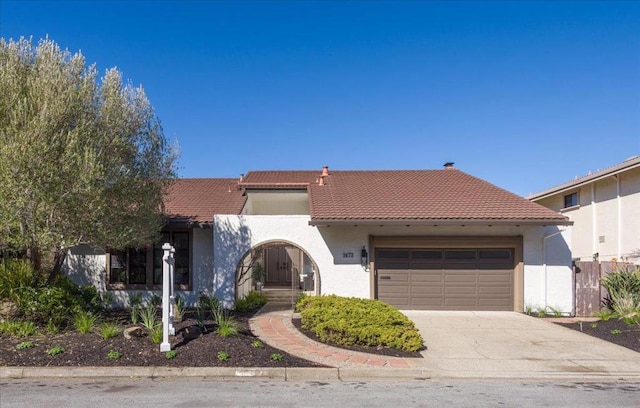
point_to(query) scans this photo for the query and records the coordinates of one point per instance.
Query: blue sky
(526, 95)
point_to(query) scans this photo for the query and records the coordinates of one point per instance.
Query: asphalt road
(193, 393)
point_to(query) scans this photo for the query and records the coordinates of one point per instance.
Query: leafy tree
(82, 160)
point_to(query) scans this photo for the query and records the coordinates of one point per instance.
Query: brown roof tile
(279, 179)
(197, 200)
(428, 195)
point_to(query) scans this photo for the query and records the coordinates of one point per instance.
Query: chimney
(449, 166)
(321, 181)
(241, 177)
(325, 171)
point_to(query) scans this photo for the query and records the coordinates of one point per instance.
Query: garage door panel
(494, 277)
(455, 282)
(460, 302)
(460, 290)
(422, 276)
(495, 290)
(417, 291)
(458, 276)
(427, 302)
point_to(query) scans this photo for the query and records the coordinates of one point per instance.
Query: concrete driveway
(514, 345)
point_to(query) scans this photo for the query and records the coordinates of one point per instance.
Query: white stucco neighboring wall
(548, 273)
(548, 277)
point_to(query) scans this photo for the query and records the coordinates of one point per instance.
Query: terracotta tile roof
(420, 195)
(197, 200)
(279, 179)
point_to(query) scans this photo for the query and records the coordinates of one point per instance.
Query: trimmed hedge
(354, 321)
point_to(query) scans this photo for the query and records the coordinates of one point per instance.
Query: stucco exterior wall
(548, 277)
(87, 266)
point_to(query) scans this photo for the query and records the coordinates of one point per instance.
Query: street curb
(299, 374)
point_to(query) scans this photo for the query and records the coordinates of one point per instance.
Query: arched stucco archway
(277, 264)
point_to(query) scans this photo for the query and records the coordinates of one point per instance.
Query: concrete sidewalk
(461, 345)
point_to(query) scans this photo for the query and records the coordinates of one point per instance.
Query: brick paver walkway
(273, 326)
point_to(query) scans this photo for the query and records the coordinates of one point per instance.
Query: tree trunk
(58, 260)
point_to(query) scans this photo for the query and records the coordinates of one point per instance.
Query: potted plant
(258, 276)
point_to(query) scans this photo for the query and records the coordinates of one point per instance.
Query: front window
(141, 268)
(571, 200)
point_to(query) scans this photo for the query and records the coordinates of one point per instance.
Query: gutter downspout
(544, 261)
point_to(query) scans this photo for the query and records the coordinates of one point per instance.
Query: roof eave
(439, 222)
(572, 185)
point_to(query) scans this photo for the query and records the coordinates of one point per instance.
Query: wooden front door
(279, 270)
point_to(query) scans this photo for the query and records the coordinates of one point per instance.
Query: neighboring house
(605, 209)
(423, 239)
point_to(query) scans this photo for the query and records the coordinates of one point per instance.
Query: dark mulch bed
(628, 335)
(91, 350)
(386, 351)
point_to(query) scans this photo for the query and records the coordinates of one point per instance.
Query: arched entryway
(277, 266)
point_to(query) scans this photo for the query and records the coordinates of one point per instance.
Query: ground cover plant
(362, 322)
(87, 334)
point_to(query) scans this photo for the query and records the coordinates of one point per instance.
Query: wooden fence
(589, 293)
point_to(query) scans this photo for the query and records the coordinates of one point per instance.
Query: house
(417, 239)
(605, 209)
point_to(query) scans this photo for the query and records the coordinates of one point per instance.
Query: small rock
(191, 332)
(9, 310)
(134, 331)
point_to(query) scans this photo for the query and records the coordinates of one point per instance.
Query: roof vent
(241, 177)
(325, 171)
(448, 165)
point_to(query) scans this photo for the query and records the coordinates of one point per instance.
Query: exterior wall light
(364, 258)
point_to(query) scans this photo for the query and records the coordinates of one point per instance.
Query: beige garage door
(446, 279)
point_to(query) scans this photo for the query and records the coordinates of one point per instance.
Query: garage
(446, 278)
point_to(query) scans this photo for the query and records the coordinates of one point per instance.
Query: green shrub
(17, 328)
(16, 275)
(47, 303)
(257, 344)
(276, 357)
(626, 307)
(223, 355)
(25, 345)
(148, 316)
(171, 354)
(114, 355)
(109, 330)
(209, 302)
(84, 321)
(253, 301)
(179, 308)
(156, 334)
(353, 321)
(625, 279)
(54, 351)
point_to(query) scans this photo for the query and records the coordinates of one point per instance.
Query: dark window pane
(495, 254)
(570, 200)
(181, 244)
(393, 254)
(118, 267)
(137, 266)
(429, 254)
(460, 254)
